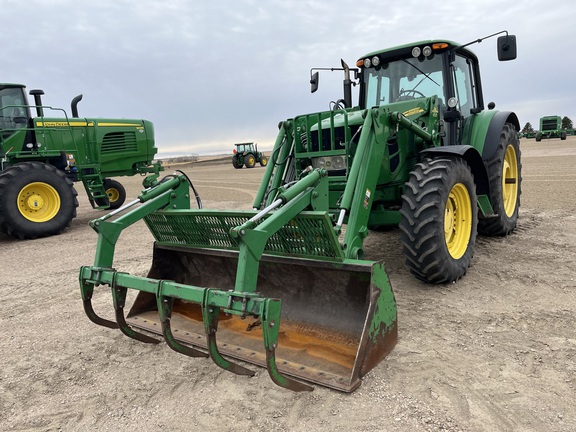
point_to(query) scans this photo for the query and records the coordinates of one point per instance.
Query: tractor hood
(351, 118)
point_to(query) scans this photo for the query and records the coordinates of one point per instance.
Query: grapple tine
(281, 380)
(210, 317)
(119, 299)
(165, 307)
(95, 318)
(270, 329)
(89, 310)
(87, 290)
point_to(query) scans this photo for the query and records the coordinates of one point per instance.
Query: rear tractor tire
(236, 162)
(439, 220)
(36, 200)
(250, 161)
(505, 179)
(116, 194)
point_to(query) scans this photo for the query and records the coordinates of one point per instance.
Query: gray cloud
(209, 74)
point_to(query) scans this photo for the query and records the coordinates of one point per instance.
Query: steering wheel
(408, 94)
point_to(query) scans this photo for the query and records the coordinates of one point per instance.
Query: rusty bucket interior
(338, 320)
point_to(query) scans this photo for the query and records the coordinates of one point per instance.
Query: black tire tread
(19, 231)
(422, 224)
(501, 225)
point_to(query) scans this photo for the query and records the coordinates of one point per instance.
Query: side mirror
(314, 79)
(506, 47)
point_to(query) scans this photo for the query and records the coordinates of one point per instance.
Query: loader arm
(154, 198)
(253, 238)
(171, 192)
(358, 195)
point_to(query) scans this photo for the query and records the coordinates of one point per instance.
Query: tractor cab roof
(11, 85)
(403, 51)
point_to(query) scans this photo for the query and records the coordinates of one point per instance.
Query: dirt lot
(495, 351)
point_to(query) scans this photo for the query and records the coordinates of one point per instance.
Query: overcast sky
(212, 73)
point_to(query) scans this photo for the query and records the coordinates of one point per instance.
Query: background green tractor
(550, 127)
(41, 157)
(247, 154)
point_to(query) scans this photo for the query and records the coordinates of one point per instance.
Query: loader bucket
(338, 319)
(271, 287)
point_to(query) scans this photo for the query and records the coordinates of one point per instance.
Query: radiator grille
(119, 142)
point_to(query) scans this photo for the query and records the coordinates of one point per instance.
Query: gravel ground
(495, 351)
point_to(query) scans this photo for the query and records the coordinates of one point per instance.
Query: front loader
(286, 285)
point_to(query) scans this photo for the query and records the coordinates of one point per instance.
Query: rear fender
(472, 158)
(486, 129)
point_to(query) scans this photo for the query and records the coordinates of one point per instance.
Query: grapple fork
(271, 288)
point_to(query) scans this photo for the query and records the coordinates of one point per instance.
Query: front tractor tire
(439, 220)
(36, 200)
(263, 161)
(250, 161)
(505, 178)
(116, 194)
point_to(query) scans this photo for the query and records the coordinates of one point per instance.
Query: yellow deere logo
(63, 124)
(412, 111)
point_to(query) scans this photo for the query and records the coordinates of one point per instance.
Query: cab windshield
(13, 113)
(404, 79)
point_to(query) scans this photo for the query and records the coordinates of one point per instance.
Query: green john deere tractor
(247, 154)
(286, 285)
(551, 127)
(41, 157)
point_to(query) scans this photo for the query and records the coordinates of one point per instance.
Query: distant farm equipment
(550, 127)
(247, 154)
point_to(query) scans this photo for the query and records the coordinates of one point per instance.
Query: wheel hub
(38, 202)
(35, 202)
(113, 194)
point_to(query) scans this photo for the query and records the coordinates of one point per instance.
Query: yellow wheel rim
(510, 181)
(458, 221)
(38, 202)
(113, 194)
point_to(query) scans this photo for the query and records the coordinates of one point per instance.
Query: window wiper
(422, 72)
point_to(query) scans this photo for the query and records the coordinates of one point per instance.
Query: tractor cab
(14, 110)
(442, 69)
(244, 148)
(426, 69)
